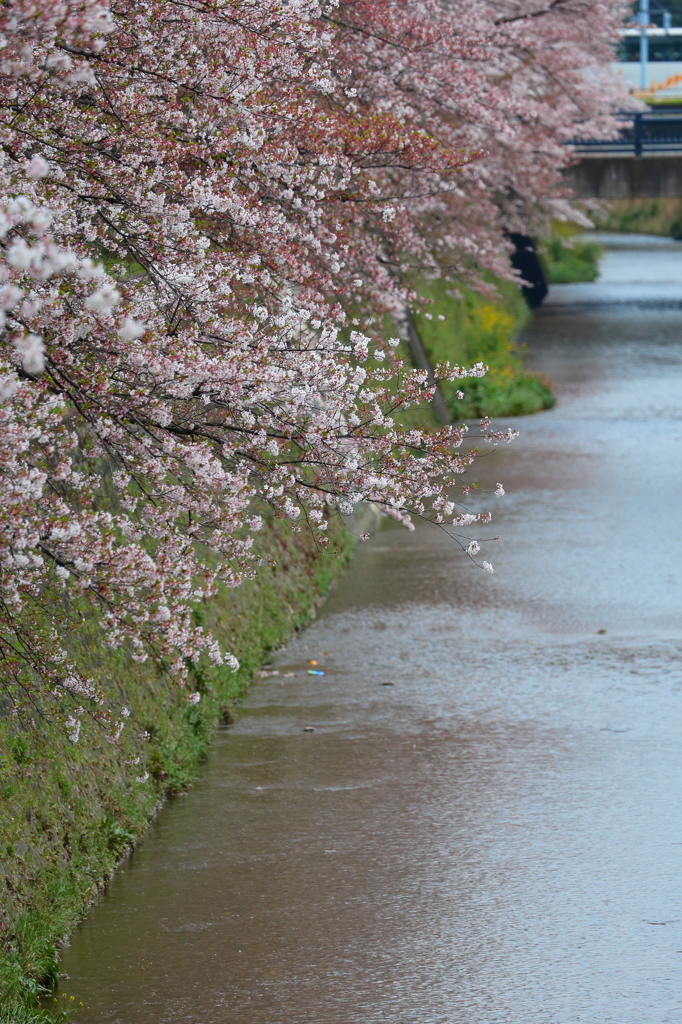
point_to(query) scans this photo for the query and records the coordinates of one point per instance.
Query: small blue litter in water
(315, 672)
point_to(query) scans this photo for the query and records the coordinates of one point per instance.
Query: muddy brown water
(496, 838)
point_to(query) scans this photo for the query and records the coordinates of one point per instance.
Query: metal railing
(650, 133)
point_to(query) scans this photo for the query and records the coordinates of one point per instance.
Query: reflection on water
(496, 838)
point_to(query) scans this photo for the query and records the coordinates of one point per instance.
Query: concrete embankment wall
(626, 177)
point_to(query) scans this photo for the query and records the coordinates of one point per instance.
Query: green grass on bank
(644, 216)
(569, 261)
(24, 1015)
(568, 256)
(461, 326)
(70, 812)
(662, 101)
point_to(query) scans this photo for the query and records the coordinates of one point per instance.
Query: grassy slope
(68, 813)
(475, 329)
(644, 216)
(573, 262)
(568, 256)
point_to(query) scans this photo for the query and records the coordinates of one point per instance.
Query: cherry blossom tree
(207, 206)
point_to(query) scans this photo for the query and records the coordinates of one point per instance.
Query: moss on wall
(69, 812)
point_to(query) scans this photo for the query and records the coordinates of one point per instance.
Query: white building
(661, 74)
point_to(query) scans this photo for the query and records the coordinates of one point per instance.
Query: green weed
(569, 262)
(461, 326)
(661, 216)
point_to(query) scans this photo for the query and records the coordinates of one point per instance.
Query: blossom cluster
(205, 208)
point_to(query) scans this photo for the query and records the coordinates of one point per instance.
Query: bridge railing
(648, 133)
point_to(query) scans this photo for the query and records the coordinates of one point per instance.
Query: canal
(496, 837)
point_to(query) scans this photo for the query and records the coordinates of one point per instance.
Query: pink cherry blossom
(194, 201)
